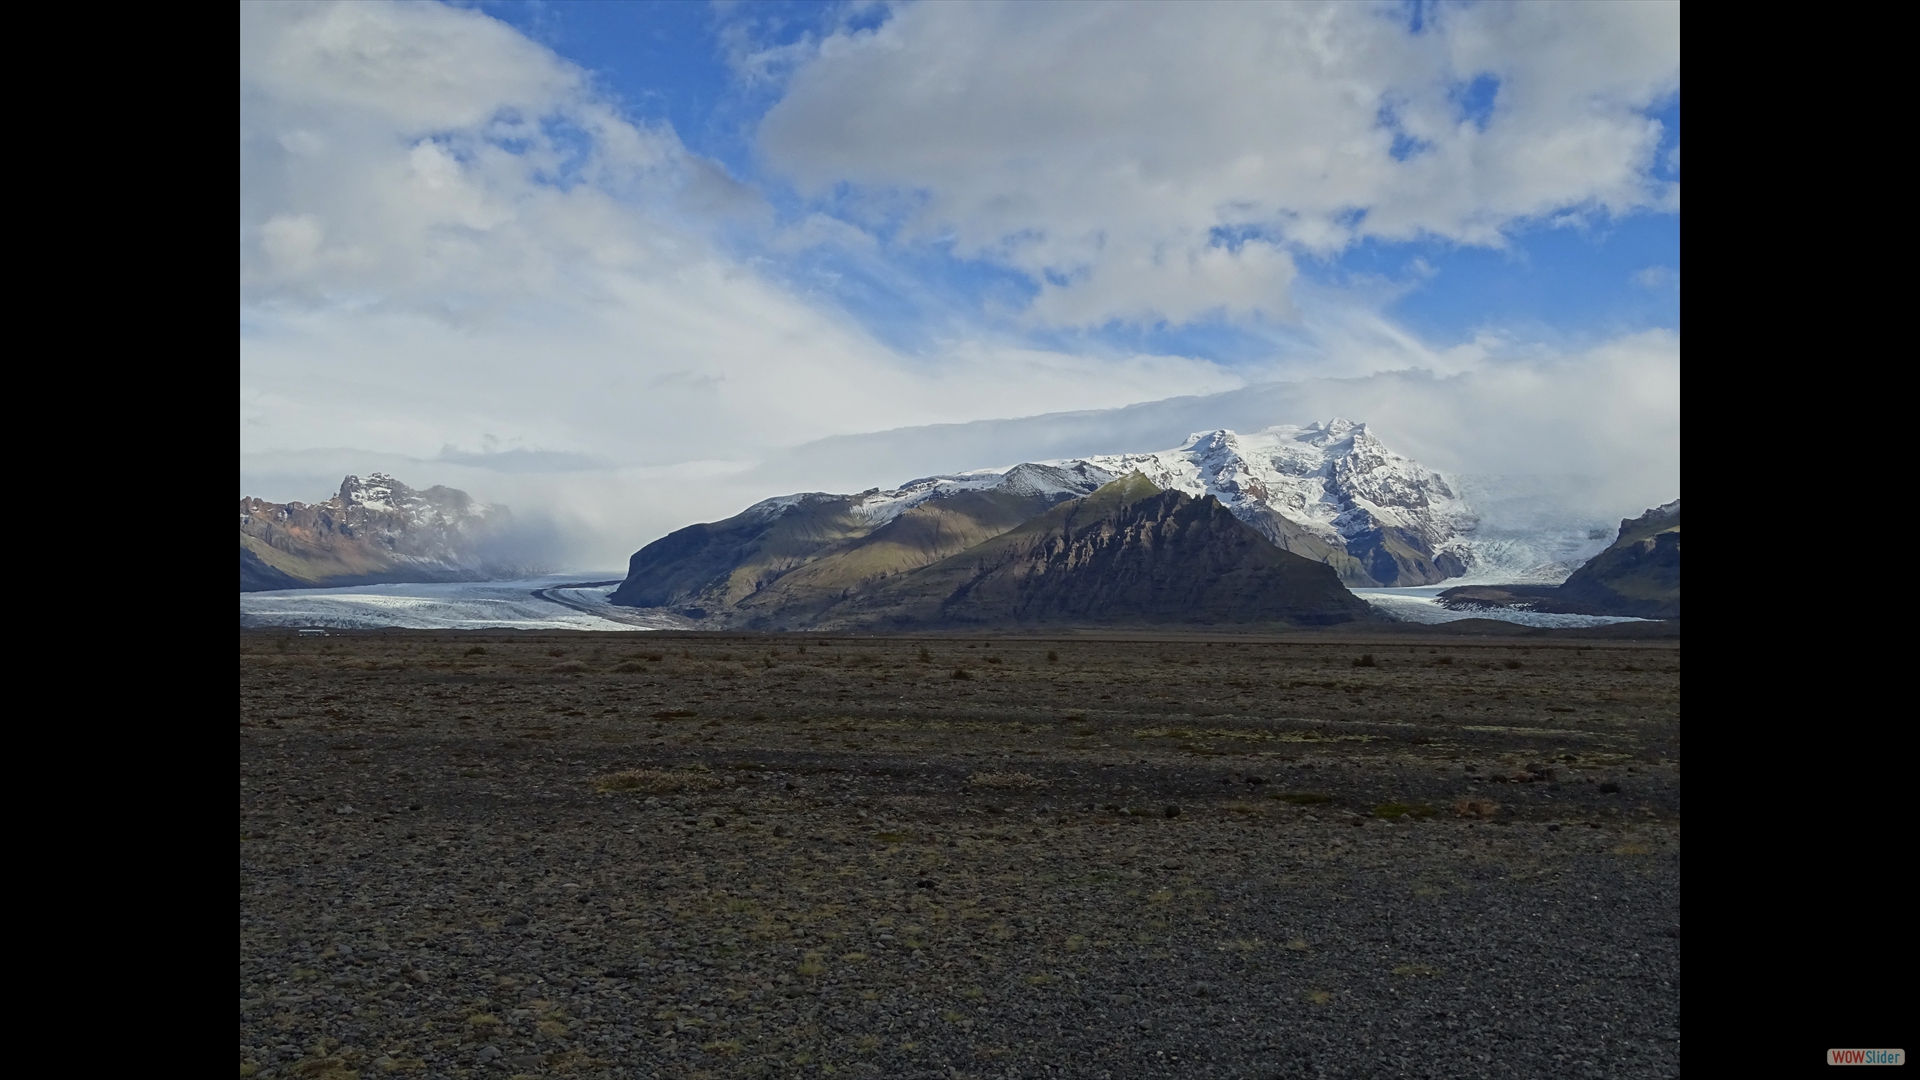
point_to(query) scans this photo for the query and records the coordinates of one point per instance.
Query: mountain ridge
(1129, 552)
(372, 531)
(1331, 492)
(1030, 545)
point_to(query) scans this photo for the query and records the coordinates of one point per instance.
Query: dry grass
(654, 781)
(1007, 780)
(1476, 808)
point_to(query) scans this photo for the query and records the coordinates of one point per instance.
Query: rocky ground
(643, 855)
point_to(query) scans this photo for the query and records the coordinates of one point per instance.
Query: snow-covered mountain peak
(376, 528)
(436, 507)
(1332, 481)
(376, 492)
(1329, 490)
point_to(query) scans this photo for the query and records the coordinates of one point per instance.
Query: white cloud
(444, 234)
(1655, 277)
(1098, 147)
(1607, 413)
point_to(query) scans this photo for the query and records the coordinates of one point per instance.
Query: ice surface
(1420, 604)
(466, 605)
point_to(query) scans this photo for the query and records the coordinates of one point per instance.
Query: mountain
(1331, 492)
(374, 530)
(1037, 543)
(803, 553)
(1638, 575)
(1129, 553)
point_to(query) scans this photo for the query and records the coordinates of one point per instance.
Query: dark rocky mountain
(1126, 554)
(373, 531)
(1638, 575)
(798, 555)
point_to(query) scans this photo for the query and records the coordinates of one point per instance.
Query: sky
(629, 266)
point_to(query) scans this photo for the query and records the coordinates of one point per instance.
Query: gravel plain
(680, 855)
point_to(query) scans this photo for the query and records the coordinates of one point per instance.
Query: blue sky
(1567, 278)
(640, 243)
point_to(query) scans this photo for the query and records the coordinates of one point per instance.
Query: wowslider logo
(1866, 1057)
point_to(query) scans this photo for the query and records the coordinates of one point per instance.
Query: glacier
(550, 602)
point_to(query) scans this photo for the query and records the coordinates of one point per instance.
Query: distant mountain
(1038, 543)
(374, 530)
(1638, 575)
(1331, 492)
(1129, 553)
(803, 553)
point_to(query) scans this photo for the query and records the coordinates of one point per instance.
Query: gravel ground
(689, 856)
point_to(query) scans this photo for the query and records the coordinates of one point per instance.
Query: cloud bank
(445, 235)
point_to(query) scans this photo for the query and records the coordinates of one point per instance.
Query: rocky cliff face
(373, 530)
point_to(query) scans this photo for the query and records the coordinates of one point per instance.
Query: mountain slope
(374, 530)
(711, 566)
(1331, 493)
(1638, 575)
(802, 553)
(918, 537)
(1127, 554)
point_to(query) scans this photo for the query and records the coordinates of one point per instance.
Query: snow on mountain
(1330, 491)
(1335, 482)
(374, 529)
(436, 508)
